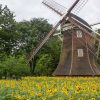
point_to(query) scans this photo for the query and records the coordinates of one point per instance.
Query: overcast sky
(27, 9)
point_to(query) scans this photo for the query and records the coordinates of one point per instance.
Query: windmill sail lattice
(59, 9)
(80, 5)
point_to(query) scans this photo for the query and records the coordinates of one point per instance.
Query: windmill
(78, 52)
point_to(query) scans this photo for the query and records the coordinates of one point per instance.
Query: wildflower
(65, 90)
(19, 97)
(94, 89)
(80, 98)
(39, 94)
(50, 92)
(71, 98)
(28, 99)
(59, 98)
(43, 98)
(32, 93)
(78, 89)
(93, 99)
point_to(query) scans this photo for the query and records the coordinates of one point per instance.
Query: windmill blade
(95, 24)
(34, 52)
(65, 17)
(59, 9)
(80, 5)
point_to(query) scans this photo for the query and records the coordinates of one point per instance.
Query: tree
(8, 32)
(31, 31)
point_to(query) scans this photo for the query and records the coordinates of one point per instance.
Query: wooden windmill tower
(78, 51)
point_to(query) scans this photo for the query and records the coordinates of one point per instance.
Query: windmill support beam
(60, 38)
(95, 24)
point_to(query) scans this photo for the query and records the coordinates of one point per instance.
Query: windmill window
(80, 52)
(79, 34)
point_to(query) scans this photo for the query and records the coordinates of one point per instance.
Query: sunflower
(93, 99)
(80, 98)
(71, 98)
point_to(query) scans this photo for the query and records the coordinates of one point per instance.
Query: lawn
(51, 88)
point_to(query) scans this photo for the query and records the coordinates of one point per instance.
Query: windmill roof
(82, 21)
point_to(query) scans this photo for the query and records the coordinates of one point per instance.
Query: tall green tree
(8, 31)
(30, 32)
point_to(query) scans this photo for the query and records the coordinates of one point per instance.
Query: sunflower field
(51, 88)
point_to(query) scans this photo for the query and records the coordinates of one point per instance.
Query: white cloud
(27, 9)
